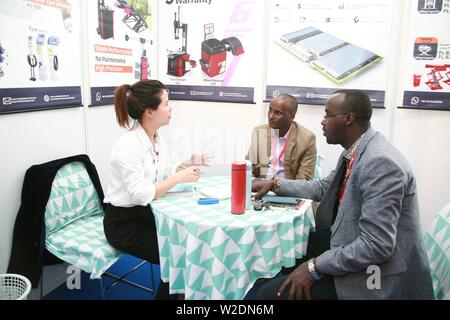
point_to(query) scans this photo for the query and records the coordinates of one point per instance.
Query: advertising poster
(427, 79)
(40, 58)
(207, 49)
(319, 46)
(121, 45)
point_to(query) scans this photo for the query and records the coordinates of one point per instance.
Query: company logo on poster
(415, 101)
(7, 101)
(429, 6)
(425, 48)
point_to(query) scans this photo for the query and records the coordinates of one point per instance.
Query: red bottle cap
(238, 165)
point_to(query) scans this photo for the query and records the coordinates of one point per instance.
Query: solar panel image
(335, 58)
(322, 44)
(299, 35)
(292, 42)
(346, 61)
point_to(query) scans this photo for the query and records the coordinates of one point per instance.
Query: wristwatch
(312, 270)
(276, 185)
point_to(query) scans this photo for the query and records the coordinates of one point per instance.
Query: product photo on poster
(122, 46)
(332, 45)
(427, 75)
(45, 70)
(210, 49)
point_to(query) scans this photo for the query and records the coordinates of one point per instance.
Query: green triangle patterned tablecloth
(206, 252)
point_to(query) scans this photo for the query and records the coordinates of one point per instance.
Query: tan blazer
(299, 156)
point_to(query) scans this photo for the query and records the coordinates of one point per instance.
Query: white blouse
(135, 168)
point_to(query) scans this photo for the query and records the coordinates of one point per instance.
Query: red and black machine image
(176, 61)
(141, 70)
(214, 52)
(136, 14)
(436, 75)
(105, 20)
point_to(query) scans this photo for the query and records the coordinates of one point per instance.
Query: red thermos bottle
(238, 187)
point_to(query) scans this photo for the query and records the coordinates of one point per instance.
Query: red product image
(142, 69)
(144, 66)
(105, 21)
(176, 64)
(436, 75)
(214, 56)
(176, 61)
(214, 52)
(416, 80)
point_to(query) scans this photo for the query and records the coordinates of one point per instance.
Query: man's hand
(261, 188)
(300, 281)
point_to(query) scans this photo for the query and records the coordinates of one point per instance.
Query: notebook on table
(290, 201)
(221, 193)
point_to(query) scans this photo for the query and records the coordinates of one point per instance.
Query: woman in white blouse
(140, 171)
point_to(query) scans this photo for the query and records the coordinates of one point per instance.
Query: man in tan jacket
(283, 148)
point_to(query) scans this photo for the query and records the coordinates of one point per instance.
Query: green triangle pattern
(72, 197)
(174, 236)
(224, 260)
(198, 282)
(207, 264)
(83, 244)
(194, 256)
(437, 243)
(179, 280)
(74, 222)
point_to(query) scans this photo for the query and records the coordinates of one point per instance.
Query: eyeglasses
(326, 116)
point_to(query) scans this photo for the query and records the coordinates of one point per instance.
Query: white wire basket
(14, 287)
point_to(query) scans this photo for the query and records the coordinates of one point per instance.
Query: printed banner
(207, 49)
(208, 93)
(121, 45)
(40, 59)
(317, 47)
(427, 78)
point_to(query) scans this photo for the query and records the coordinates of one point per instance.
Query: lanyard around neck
(283, 148)
(347, 174)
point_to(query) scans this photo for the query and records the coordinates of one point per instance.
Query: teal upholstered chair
(74, 226)
(437, 243)
(318, 170)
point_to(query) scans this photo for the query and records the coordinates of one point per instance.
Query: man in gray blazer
(368, 206)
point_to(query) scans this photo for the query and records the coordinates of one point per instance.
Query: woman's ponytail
(120, 104)
(131, 101)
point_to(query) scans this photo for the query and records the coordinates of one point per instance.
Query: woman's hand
(190, 174)
(202, 160)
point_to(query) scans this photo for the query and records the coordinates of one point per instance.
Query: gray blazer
(376, 224)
